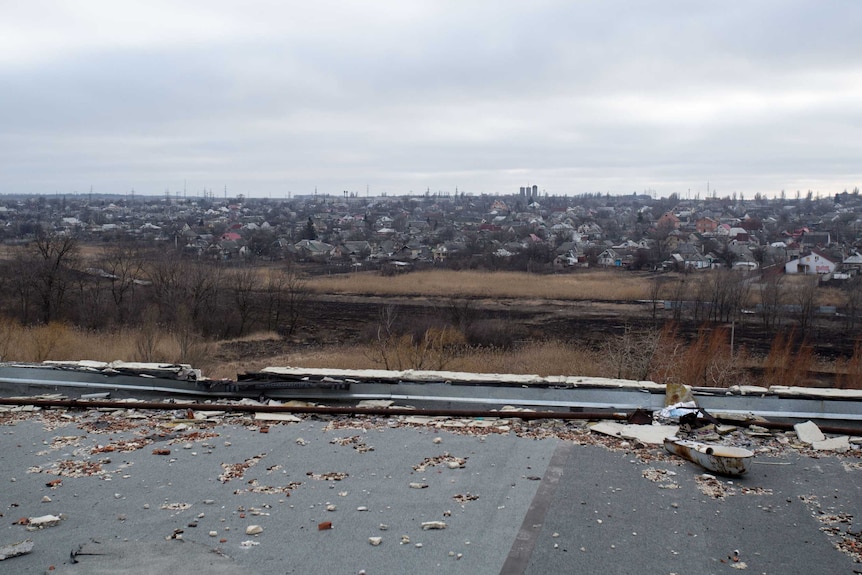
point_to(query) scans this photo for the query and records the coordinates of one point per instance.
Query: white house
(813, 263)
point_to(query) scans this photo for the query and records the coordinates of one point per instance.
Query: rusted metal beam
(320, 410)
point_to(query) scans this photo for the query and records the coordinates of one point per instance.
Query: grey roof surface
(527, 498)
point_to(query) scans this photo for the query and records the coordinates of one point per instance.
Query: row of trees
(774, 299)
(128, 284)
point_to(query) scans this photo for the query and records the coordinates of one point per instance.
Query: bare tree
(385, 336)
(772, 297)
(853, 302)
(47, 267)
(123, 265)
(724, 292)
(286, 299)
(630, 354)
(202, 285)
(167, 276)
(293, 299)
(678, 295)
(148, 335)
(243, 283)
(656, 293)
(804, 295)
(431, 348)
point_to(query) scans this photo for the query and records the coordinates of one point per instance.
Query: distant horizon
(287, 195)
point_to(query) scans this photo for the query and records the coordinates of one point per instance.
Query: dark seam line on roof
(522, 549)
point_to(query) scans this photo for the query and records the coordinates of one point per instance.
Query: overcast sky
(398, 96)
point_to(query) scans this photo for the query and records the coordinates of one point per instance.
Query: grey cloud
(581, 95)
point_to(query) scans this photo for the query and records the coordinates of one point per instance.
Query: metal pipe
(308, 409)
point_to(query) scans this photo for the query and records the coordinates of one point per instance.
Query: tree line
(127, 283)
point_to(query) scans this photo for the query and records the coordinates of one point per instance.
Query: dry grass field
(604, 294)
(593, 285)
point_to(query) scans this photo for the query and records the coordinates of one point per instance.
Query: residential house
(813, 263)
(610, 258)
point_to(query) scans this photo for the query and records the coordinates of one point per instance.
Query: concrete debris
(662, 476)
(464, 497)
(175, 506)
(283, 417)
(648, 434)
(422, 419)
(253, 530)
(375, 541)
(36, 523)
(709, 485)
(808, 432)
(329, 476)
(677, 393)
(451, 462)
(840, 444)
(237, 470)
(16, 549)
(433, 525)
(415, 485)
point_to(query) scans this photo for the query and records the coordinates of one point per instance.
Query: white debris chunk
(839, 444)
(288, 417)
(375, 541)
(649, 434)
(16, 549)
(253, 530)
(35, 523)
(433, 525)
(418, 485)
(808, 432)
(248, 544)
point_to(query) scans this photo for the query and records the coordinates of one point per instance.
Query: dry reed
(593, 285)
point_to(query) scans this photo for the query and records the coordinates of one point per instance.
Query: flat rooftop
(153, 492)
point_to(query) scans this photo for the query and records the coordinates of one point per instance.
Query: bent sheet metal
(721, 459)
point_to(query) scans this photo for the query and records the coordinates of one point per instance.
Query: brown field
(592, 285)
